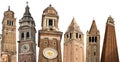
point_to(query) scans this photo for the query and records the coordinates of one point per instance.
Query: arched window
(67, 36)
(70, 35)
(89, 39)
(94, 53)
(22, 35)
(27, 35)
(79, 36)
(9, 23)
(95, 39)
(76, 35)
(92, 39)
(50, 22)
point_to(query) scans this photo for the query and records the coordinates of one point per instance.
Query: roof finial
(50, 5)
(110, 16)
(27, 2)
(93, 19)
(8, 8)
(73, 18)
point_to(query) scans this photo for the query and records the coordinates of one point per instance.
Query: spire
(27, 15)
(73, 26)
(93, 28)
(27, 12)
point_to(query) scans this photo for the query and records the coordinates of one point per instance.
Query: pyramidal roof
(73, 26)
(93, 28)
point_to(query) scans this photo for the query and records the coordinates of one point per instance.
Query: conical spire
(27, 15)
(27, 12)
(93, 28)
(73, 26)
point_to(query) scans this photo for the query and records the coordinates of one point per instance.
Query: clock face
(25, 48)
(50, 53)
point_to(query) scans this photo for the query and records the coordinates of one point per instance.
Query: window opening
(76, 35)
(67, 36)
(22, 35)
(89, 39)
(79, 36)
(27, 35)
(70, 35)
(92, 39)
(95, 39)
(50, 22)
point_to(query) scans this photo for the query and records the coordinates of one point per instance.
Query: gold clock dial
(50, 53)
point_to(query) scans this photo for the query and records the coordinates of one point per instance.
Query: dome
(9, 13)
(50, 11)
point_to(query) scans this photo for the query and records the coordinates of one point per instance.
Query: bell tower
(26, 43)
(93, 44)
(49, 37)
(9, 37)
(73, 43)
(110, 50)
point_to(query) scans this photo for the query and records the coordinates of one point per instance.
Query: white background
(84, 11)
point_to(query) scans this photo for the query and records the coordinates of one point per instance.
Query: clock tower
(26, 43)
(49, 37)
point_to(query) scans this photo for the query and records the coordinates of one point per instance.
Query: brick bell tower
(73, 43)
(8, 37)
(49, 37)
(26, 43)
(110, 51)
(93, 44)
